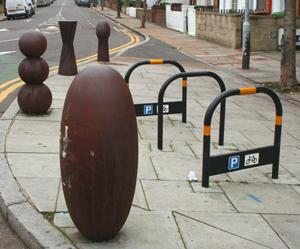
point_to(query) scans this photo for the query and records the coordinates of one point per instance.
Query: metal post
(246, 38)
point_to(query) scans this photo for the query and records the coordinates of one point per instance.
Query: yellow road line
(9, 82)
(134, 40)
(9, 90)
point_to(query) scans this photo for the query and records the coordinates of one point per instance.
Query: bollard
(67, 63)
(34, 97)
(103, 33)
(98, 152)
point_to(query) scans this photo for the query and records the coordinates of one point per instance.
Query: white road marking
(7, 52)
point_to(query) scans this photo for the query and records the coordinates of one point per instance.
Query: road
(46, 21)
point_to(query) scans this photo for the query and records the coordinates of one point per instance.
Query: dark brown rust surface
(67, 63)
(33, 70)
(34, 99)
(32, 44)
(99, 152)
(103, 33)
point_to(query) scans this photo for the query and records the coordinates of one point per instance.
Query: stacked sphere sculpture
(34, 97)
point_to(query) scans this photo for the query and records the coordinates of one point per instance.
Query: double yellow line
(134, 40)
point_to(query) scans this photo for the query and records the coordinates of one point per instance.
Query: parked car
(32, 5)
(43, 3)
(17, 8)
(84, 3)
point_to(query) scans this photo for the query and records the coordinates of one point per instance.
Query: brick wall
(226, 29)
(154, 16)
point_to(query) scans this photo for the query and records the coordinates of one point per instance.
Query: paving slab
(289, 154)
(170, 149)
(226, 231)
(287, 227)
(32, 144)
(37, 128)
(34, 165)
(165, 195)
(41, 191)
(52, 115)
(146, 169)
(262, 198)
(143, 229)
(139, 200)
(293, 169)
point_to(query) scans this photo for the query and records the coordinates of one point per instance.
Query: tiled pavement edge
(168, 211)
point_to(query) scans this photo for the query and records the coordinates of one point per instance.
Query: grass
(278, 88)
(49, 216)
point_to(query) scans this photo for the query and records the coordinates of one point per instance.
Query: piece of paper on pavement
(192, 176)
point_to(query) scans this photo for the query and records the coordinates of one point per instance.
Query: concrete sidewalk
(243, 209)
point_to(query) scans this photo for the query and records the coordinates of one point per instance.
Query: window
(234, 4)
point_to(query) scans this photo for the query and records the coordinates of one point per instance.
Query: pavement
(241, 209)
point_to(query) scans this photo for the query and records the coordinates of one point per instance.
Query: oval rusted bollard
(98, 152)
(34, 97)
(103, 33)
(67, 63)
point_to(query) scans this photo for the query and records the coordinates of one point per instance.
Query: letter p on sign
(234, 162)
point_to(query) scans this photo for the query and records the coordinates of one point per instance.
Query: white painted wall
(176, 19)
(183, 2)
(191, 21)
(131, 11)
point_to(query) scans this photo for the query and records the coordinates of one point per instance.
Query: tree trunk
(144, 14)
(288, 58)
(126, 3)
(118, 8)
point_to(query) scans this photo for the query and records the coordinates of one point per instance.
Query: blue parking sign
(148, 109)
(234, 162)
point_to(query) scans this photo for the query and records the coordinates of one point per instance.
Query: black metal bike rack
(148, 109)
(219, 164)
(161, 104)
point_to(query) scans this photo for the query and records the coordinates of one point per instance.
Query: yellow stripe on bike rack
(156, 61)
(184, 83)
(134, 40)
(278, 120)
(206, 130)
(250, 90)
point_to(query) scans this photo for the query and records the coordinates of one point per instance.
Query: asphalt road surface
(46, 21)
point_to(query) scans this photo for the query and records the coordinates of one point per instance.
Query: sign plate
(234, 162)
(148, 109)
(251, 159)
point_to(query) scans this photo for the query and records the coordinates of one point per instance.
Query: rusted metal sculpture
(34, 97)
(67, 63)
(98, 152)
(103, 33)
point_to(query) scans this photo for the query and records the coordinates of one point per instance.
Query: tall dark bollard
(67, 63)
(98, 152)
(103, 33)
(34, 97)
